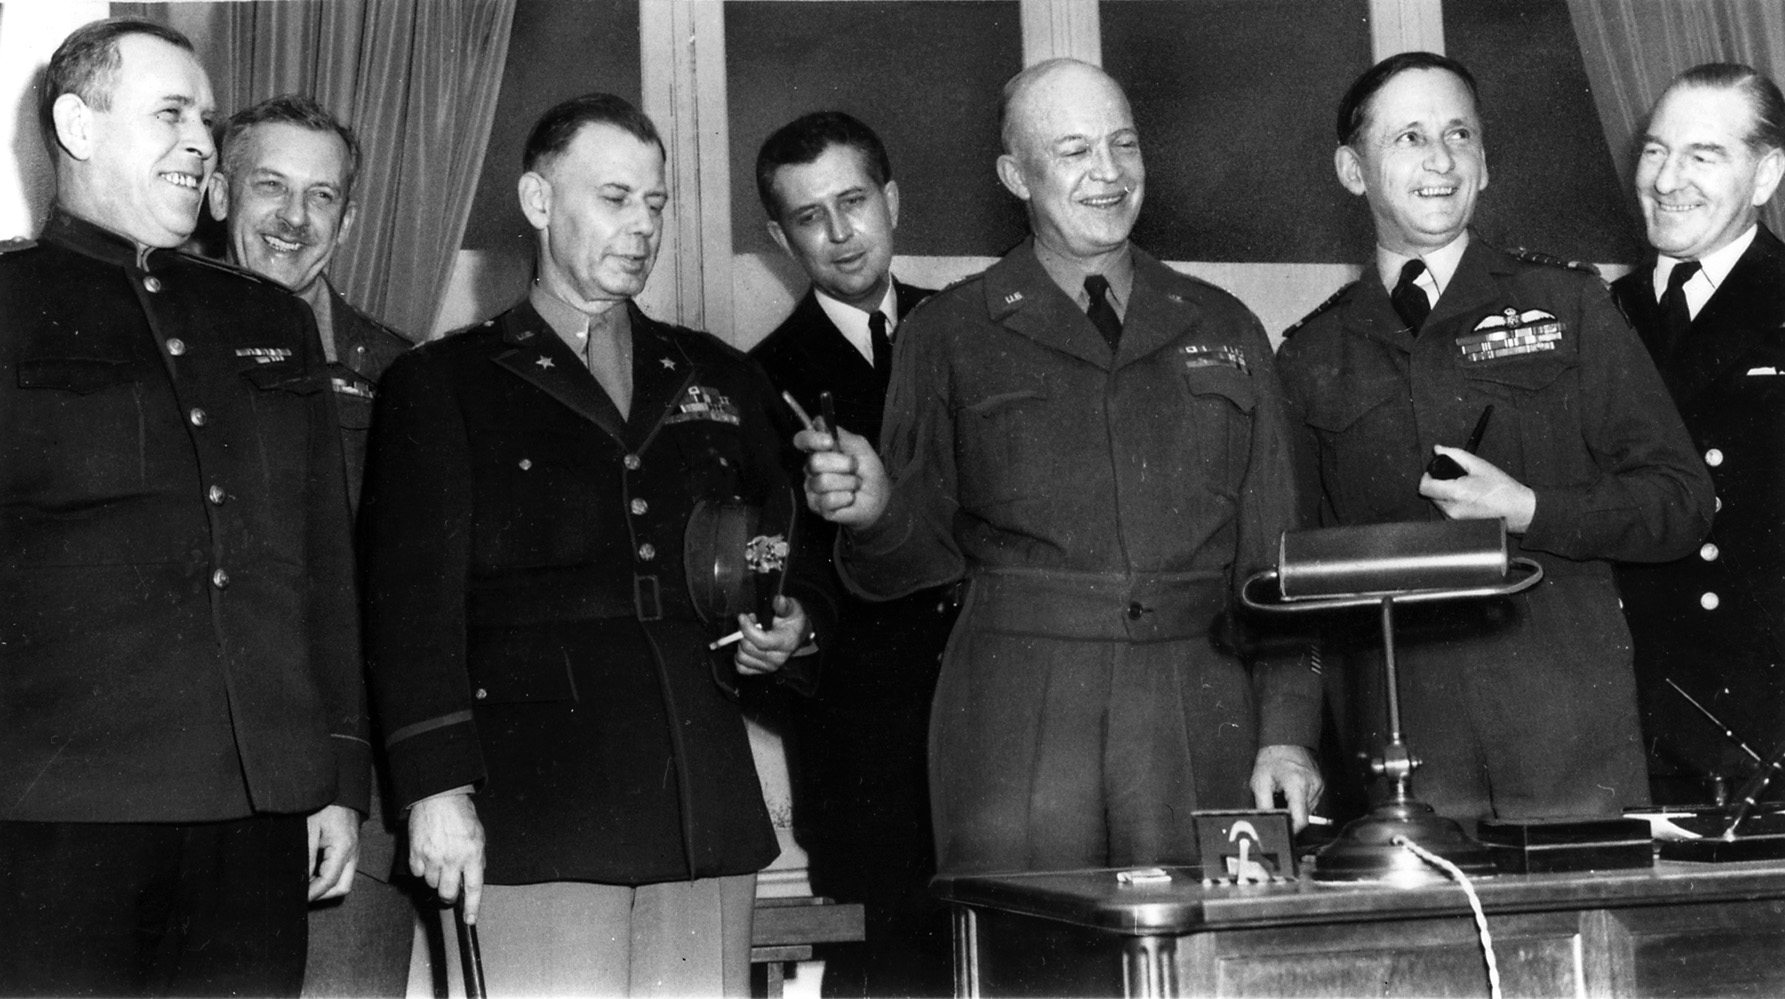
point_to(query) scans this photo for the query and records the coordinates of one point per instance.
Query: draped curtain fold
(1632, 48)
(417, 80)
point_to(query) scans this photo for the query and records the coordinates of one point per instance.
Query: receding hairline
(1018, 88)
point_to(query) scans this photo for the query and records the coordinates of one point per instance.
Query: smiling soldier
(1525, 707)
(285, 189)
(181, 717)
(1096, 444)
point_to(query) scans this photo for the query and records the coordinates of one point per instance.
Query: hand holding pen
(845, 481)
(1483, 492)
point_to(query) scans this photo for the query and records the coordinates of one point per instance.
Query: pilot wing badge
(1510, 333)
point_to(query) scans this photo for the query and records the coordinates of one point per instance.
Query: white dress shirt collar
(853, 322)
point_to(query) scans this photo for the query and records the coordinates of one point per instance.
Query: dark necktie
(882, 346)
(1103, 315)
(1673, 302)
(1409, 298)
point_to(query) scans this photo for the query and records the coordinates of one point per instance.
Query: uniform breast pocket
(1369, 454)
(87, 416)
(1219, 404)
(1007, 447)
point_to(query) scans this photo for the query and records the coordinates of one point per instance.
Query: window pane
(559, 49)
(1553, 183)
(1235, 102)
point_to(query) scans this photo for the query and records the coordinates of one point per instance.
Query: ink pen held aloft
(1444, 466)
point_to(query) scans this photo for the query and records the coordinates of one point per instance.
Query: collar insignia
(544, 363)
(668, 364)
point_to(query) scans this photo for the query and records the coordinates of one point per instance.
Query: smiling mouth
(1436, 191)
(185, 180)
(1676, 209)
(1105, 200)
(280, 245)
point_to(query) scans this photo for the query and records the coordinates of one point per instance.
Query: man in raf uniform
(1710, 308)
(285, 188)
(1096, 443)
(1525, 707)
(532, 633)
(183, 723)
(827, 185)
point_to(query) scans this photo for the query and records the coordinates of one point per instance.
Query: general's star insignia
(668, 364)
(544, 363)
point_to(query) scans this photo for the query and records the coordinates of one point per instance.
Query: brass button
(215, 495)
(647, 551)
(197, 417)
(220, 579)
(1709, 552)
(1719, 507)
(1713, 457)
(482, 693)
(1709, 601)
(151, 284)
(639, 507)
(176, 346)
(631, 462)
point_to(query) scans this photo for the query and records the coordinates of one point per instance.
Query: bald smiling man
(1095, 443)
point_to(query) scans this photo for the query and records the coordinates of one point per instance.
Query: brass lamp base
(1367, 848)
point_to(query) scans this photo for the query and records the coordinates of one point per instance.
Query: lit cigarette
(733, 638)
(1319, 820)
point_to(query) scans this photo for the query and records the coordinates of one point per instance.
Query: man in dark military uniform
(1524, 707)
(285, 188)
(1096, 443)
(827, 185)
(182, 719)
(532, 632)
(1710, 309)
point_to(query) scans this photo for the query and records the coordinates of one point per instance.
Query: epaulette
(229, 268)
(962, 282)
(1331, 301)
(1550, 260)
(16, 244)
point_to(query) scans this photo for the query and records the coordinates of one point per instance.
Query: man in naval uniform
(1710, 309)
(543, 681)
(285, 190)
(182, 717)
(826, 183)
(1096, 444)
(1523, 707)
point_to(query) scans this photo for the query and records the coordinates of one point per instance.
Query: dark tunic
(1526, 706)
(530, 626)
(1728, 378)
(177, 620)
(1100, 508)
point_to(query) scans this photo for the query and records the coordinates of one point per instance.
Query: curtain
(416, 79)
(1632, 48)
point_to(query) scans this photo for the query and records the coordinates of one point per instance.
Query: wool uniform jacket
(1101, 508)
(1523, 707)
(1714, 621)
(178, 635)
(530, 625)
(364, 347)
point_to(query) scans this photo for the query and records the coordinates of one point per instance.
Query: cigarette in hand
(799, 411)
(731, 639)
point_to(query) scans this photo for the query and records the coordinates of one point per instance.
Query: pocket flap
(1228, 382)
(282, 378)
(82, 375)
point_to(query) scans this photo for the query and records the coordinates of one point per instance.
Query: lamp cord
(1487, 941)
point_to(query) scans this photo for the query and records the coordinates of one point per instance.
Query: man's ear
(74, 126)
(1010, 172)
(218, 193)
(347, 218)
(1350, 170)
(891, 190)
(536, 199)
(780, 237)
(1766, 176)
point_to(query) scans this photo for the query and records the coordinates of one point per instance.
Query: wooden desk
(1677, 930)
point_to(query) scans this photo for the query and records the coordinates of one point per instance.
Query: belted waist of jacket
(545, 596)
(1128, 607)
